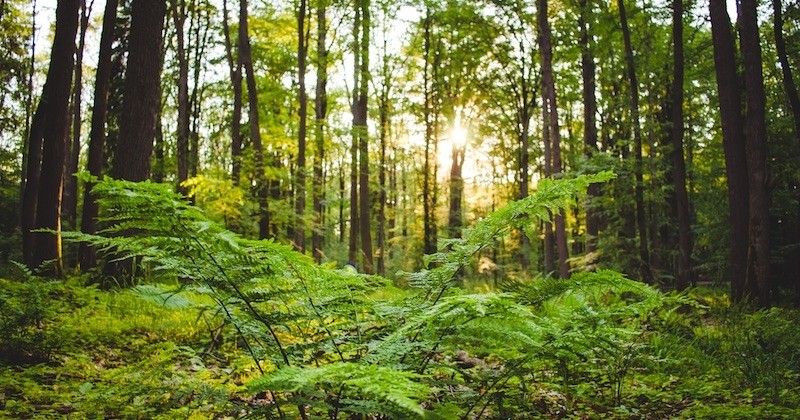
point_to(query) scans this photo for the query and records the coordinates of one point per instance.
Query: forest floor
(67, 350)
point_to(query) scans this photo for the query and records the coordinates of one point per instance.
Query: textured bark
(456, 214)
(69, 197)
(246, 56)
(734, 143)
(30, 190)
(757, 283)
(179, 19)
(678, 164)
(97, 134)
(428, 199)
(383, 126)
(354, 216)
(235, 71)
(549, 239)
(302, 113)
(47, 246)
(321, 112)
(588, 70)
(141, 94)
(548, 84)
(360, 122)
(641, 222)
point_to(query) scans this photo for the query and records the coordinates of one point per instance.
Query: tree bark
(69, 205)
(246, 56)
(141, 95)
(97, 134)
(588, 69)
(321, 111)
(300, 178)
(641, 222)
(47, 246)
(235, 71)
(354, 202)
(548, 84)
(683, 278)
(179, 19)
(360, 122)
(757, 283)
(428, 201)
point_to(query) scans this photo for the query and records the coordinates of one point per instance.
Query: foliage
(327, 342)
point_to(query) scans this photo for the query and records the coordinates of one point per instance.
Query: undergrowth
(267, 332)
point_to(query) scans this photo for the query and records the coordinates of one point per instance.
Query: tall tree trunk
(758, 282)
(178, 10)
(235, 71)
(321, 112)
(354, 216)
(246, 57)
(363, 134)
(456, 213)
(141, 95)
(69, 203)
(678, 165)
(428, 203)
(794, 103)
(300, 178)
(641, 222)
(55, 98)
(588, 69)
(384, 126)
(548, 84)
(97, 134)
(549, 239)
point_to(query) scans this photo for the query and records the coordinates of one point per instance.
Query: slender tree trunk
(47, 246)
(235, 71)
(300, 178)
(641, 221)
(546, 53)
(758, 282)
(588, 69)
(429, 222)
(321, 111)
(69, 205)
(141, 96)
(97, 134)
(456, 219)
(178, 10)
(354, 216)
(384, 125)
(246, 57)
(678, 165)
(549, 239)
(360, 122)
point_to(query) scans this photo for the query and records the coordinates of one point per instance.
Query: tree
(178, 10)
(360, 108)
(734, 144)
(588, 69)
(551, 113)
(678, 164)
(235, 71)
(142, 92)
(53, 124)
(97, 134)
(302, 111)
(321, 111)
(757, 284)
(633, 82)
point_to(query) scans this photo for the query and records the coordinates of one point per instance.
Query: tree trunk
(354, 202)
(588, 69)
(360, 122)
(235, 71)
(300, 178)
(758, 282)
(69, 204)
(548, 84)
(384, 126)
(321, 111)
(179, 19)
(641, 221)
(97, 134)
(141, 95)
(428, 203)
(549, 239)
(246, 56)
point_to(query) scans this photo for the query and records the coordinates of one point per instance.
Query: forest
(374, 209)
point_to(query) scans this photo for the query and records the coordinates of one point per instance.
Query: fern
(326, 344)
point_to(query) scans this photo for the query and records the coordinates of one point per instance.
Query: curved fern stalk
(550, 197)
